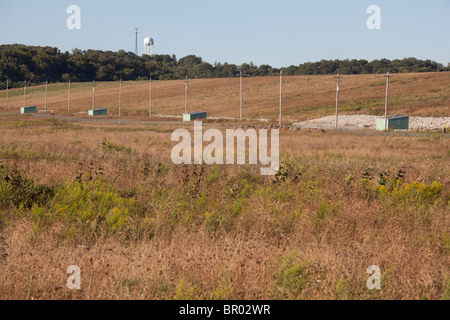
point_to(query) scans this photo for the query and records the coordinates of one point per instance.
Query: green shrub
(287, 171)
(181, 215)
(284, 221)
(87, 208)
(225, 218)
(21, 192)
(410, 193)
(224, 289)
(212, 176)
(109, 146)
(447, 289)
(324, 212)
(186, 291)
(343, 289)
(294, 278)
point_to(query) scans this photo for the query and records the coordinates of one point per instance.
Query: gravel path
(365, 121)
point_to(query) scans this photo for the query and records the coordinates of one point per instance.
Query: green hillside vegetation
(39, 64)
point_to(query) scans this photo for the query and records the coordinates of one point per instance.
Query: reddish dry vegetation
(106, 197)
(304, 97)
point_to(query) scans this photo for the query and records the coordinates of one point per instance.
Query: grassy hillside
(106, 197)
(304, 97)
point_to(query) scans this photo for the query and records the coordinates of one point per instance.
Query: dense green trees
(365, 67)
(38, 64)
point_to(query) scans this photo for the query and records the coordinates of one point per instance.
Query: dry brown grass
(264, 252)
(305, 97)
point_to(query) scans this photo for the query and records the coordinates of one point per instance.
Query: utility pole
(68, 99)
(136, 47)
(46, 88)
(337, 100)
(150, 112)
(240, 75)
(25, 94)
(386, 103)
(281, 91)
(93, 95)
(120, 94)
(7, 89)
(186, 96)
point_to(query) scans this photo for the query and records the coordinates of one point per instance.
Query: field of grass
(305, 97)
(106, 197)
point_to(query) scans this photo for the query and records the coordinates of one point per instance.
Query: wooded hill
(39, 64)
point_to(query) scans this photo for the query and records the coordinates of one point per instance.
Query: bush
(414, 193)
(92, 208)
(324, 212)
(294, 278)
(18, 191)
(109, 146)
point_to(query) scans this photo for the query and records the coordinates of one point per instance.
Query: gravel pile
(365, 121)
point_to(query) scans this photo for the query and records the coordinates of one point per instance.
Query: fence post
(68, 99)
(281, 92)
(7, 89)
(46, 88)
(150, 112)
(25, 94)
(120, 94)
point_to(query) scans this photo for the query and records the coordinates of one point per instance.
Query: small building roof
(394, 117)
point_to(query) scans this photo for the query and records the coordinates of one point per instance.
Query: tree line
(39, 64)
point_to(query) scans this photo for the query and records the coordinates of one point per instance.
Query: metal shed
(194, 116)
(30, 109)
(98, 112)
(393, 123)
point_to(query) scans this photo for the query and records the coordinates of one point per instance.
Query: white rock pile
(365, 121)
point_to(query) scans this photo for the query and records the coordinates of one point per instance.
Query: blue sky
(279, 33)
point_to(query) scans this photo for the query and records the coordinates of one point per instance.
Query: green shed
(393, 123)
(30, 109)
(194, 116)
(98, 112)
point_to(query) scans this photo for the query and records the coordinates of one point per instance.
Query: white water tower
(148, 43)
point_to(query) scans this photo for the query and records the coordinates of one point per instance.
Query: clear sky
(279, 33)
